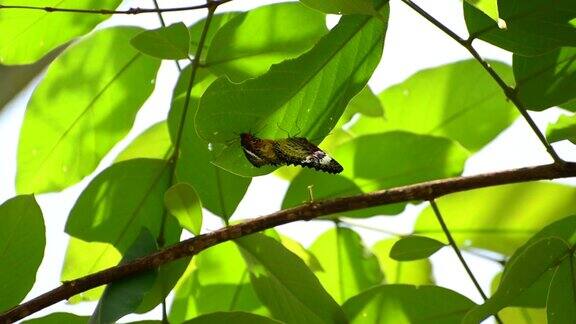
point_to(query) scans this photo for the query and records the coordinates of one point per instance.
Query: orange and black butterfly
(292, 150)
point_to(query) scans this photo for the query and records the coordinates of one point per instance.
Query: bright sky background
(412, 44)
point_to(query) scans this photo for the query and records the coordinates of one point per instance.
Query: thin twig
(458, 253)
(422, 191)
(131, 11)
(509, 92)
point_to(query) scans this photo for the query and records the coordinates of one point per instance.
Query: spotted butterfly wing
(258, 151)
(299, 151)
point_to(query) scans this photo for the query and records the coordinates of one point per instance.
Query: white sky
(412, 44)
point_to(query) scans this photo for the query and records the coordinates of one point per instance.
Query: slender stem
(510, 92)
(421, 191)
(458, 253)
(163, 23)
(131, 11)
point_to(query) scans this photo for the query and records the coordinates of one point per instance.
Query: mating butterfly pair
(292, 150)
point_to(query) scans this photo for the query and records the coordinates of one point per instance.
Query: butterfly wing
(258, 151)
(299, 151)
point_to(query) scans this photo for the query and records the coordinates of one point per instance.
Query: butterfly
(289, 151)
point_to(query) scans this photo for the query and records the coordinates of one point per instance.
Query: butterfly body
(289, 151)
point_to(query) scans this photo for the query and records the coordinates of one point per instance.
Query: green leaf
(348, 267)
(22, 241)
(414, 247)
(216, 280)
(534, 296)
(527, 27)
(153, 143)
(221, 190)
(27, 35)
(397, 158)
(500, 218)
(546, 80)
(306, 95)
(59, 318)
(170, 43)
(217, 22)
(342, 7)
(365, 103)
(182, 201)
(563, 129)
(72, 122)
(231, 317)
(279, 275)
(489, 7)
(119, 201)
(407, 304)
(465, 105)
(520, 273)
(561, 305)
(324, 186)
(84, 258)
(417, 272)
(241, 50)
(522, 315)
(123, 296)
(295, 247)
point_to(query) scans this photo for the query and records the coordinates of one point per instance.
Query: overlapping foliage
(274, 70)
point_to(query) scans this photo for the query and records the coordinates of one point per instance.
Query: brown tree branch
(131, 11)
(422, 191)
(509, 92)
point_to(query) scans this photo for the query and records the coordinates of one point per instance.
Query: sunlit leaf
(489, 7)
(414, 247)
(418, 272)
(153, 143)
(22, 241)
(464, 104)
(561, 304)
(72, 122)
(58, 318)
(27, 35)
(182, 201)
(407, 304)
(251, 42)
(340, 64)
(171, 43)
(563, 129)
(232, 317)
(278, 274)
(343, 7)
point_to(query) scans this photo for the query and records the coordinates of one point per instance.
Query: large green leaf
(80, 111)
(348, 268)
(401, 304)
(27, 35)
(304, 96)
(561, 305)
(216, 280)
(285, 285)
(59, 318)
(251, 42)
(172, 42)
(521, 272)
(153, 143)
(489, 7)
(499, 218)
(546, 80)
(22, 241)
(84, 258)
(527, 27)
(220, 191)
(399, 158)
(231, 317)
(217, 22)
(563, 129)
(343, 7)
(465, 104)
(123, 296)
(417, 272)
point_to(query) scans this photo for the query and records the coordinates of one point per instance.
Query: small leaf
(232, 317)
(414, 248)
(561, 304)
(182, 201)
(406, 304)
(22, 242)
(171, 43)
(279, 275)
(348, 267)
(417, 272)
(59, 318)
(123, 296)
(563, 129)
